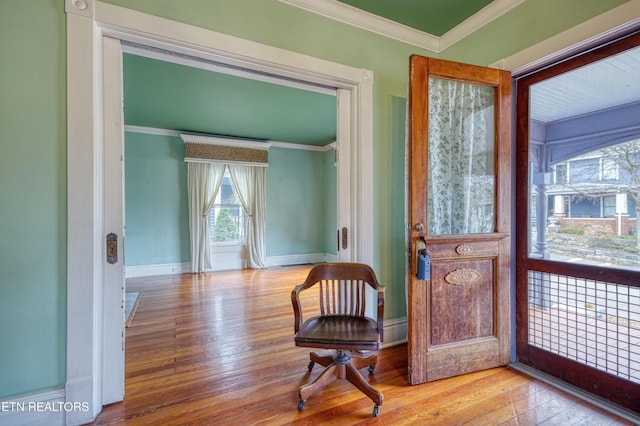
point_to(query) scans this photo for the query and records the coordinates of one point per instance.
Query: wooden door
(459, 208)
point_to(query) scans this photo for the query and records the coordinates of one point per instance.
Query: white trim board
(224, 69)
(132, 26)
(226, 259)
(395, 332)
(157, 270)
(296, 259)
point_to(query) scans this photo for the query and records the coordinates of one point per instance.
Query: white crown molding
(288, 145)
(151, 131)
(493, 10)
(606, 26)
(227, 141)
(350, 15)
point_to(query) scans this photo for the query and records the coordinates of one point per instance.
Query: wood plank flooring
(217, 348)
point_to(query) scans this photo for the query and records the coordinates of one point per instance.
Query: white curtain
(461, 158)
(249, 182)
(204, 180)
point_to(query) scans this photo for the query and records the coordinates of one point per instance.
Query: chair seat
(337, 330)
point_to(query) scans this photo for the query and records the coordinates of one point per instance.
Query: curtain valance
(200, 148)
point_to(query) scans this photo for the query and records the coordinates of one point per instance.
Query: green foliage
(225, 228)
(572, 231)
(625, 244)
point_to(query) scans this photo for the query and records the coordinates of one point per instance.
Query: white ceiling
(611, 82)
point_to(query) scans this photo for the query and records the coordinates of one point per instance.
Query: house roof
(608, 83)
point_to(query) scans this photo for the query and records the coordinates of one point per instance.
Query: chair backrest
(342, 290)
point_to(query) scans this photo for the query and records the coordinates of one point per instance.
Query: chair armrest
(295, 301)
(381, 290)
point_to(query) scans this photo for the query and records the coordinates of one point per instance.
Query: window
(610, 168)
(227, 217)
(561, 173)
(609, 206)
(582, 171)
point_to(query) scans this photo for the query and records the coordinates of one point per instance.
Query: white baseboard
(155, 270)
(45, 408)
(226, 259)
(296, 259)
(395, 332)
(331, 258)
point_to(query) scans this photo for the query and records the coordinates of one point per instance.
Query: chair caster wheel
(301, 405)
(311, 364)
(376, 411)
(371, 368)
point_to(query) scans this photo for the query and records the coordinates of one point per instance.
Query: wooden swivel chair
(340, 324)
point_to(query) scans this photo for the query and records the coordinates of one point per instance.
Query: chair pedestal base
(341, 366)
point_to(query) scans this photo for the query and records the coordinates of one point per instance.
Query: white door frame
(89, 208)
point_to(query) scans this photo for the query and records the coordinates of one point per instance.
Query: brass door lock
(112, 248)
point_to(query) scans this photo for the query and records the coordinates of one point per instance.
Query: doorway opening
(296, 123)
(94, 333)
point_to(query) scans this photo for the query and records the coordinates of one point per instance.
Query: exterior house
(51, 280)
(592, 190)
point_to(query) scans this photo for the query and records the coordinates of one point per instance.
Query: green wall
(156, 204)
(299, 189)
(295, 202)
(330, 202)
(33, 166)
(33, 191)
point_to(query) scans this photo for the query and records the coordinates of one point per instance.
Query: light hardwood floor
(217, 348)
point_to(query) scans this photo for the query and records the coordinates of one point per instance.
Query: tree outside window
(227, 217)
